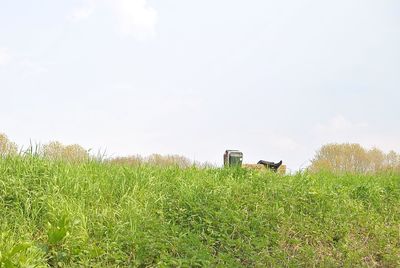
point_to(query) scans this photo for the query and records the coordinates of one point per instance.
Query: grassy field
(102, 215)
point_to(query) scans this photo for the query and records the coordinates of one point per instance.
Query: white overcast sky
(275, 79)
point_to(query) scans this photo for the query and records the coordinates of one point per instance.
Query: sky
(274, 79)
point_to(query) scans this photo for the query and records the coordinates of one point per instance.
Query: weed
(92, 214)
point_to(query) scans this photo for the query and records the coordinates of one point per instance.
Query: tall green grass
(103, 215)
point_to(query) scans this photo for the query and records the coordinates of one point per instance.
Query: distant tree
(376, 159)
(168, 160)
(75, 153)
(70, 153)
(154, 160)
(199, 164)
(53, 150)
(392, 161)
(353, 158)
(7, 147)
(133, 160)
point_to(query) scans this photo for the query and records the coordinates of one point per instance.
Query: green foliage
(94, 214)
(6, 259)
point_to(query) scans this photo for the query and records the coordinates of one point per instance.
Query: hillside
(103, 215)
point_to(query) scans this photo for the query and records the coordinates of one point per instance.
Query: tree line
(353, 158)
(334, 157)
(75, 153)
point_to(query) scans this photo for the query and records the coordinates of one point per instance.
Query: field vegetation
(97, 213)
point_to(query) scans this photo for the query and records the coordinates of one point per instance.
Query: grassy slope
(99, 215)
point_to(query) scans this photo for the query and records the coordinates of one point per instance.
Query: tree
(168, 160)
(70, 153)
(376, 159)
(392, 161)
(154, 160)
(7, 147)
(353, 158)
(133, 160)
